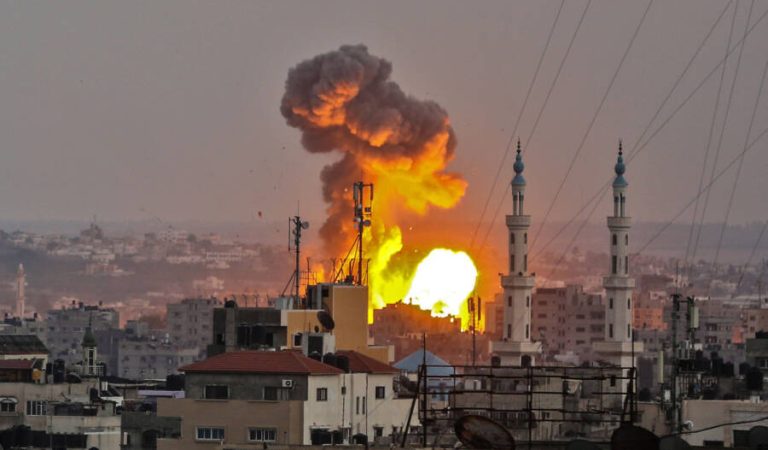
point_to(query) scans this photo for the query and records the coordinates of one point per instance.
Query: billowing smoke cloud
(344, 101)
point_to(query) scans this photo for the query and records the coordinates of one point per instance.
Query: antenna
(295, 225)
(362, 219)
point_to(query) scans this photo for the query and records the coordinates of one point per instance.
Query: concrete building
(248, 398)
(190, 322)
(27, 326)
(141, 358)
(516, 346)
(567, 320)
(69, 325)
(59, 415)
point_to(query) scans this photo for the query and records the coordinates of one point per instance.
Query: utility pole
(295, 225)
(675, 405)
(362, 219)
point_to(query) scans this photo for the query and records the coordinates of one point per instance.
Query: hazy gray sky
(171, 108)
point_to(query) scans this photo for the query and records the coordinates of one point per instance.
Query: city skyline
(198, 134)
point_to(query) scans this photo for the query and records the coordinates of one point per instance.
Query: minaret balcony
(518, 281)
(518, 221)
(618, 282)
(619, 222)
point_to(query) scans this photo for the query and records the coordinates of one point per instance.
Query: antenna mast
(362, 219)
(294, 231)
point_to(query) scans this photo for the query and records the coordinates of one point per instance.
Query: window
(8, 405)
(629, 331)
(610, 330)
(525, 262)
(381, 391)
(626, 239)
(512, 263)
(216, 392)
(210, 434)
(527, 331)
(528, 302)
(364, 410)
(262, 434)
(614, 241)
(270, 393)
(613, 264)
(36, 408)
(610, 303)
(626, 265)
(629, 303)
(509, 301)
(322, 394)
(512, 238)
(509, 331)
(525, 238)
(357, 405)
(378, 431)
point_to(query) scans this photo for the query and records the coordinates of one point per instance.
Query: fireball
(442, 282)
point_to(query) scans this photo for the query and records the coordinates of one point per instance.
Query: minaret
(90, 365)
(618, 284)
(518, 283)
(21, 282)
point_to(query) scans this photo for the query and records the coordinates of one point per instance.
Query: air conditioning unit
(287, 384)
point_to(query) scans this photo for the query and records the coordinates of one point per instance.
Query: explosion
(344, 101)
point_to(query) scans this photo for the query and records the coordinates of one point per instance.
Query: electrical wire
(540, 113)
(689, 245)
(706, 188)
(594, 118)
(752, 253)
(668, 119)
(517, 123)
(729, 206)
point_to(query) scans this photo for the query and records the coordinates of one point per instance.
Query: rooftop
(282, 362)
(21, 345)
(359, 363)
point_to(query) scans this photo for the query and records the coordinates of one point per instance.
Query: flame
(345, 101)
(442, 282)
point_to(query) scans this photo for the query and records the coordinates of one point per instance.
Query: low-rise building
(248, 398)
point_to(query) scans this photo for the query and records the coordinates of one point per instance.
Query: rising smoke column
(344, 101)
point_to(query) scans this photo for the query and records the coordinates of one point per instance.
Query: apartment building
(248, 398)
(190, 322)
(69, 324)
(567, 319)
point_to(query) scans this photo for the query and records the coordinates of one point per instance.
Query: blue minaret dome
(519, 180)
(620, 168)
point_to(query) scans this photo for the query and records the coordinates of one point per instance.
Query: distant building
(567, 319)
(69, 326)
(190, 322)
(148, 358)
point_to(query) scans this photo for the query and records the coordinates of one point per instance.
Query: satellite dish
(304, 225)
(758, 437)
(478, 432)
(581, 444)
(673, 443)
(630, 437)
(325, 319)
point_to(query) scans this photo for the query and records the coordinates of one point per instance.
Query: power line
(517, 123)
(540, 113)
(594, 118)
(670, 117)
(706, 188)
(645, 131)
(689, 245)
(746, 139)
(752, 253)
